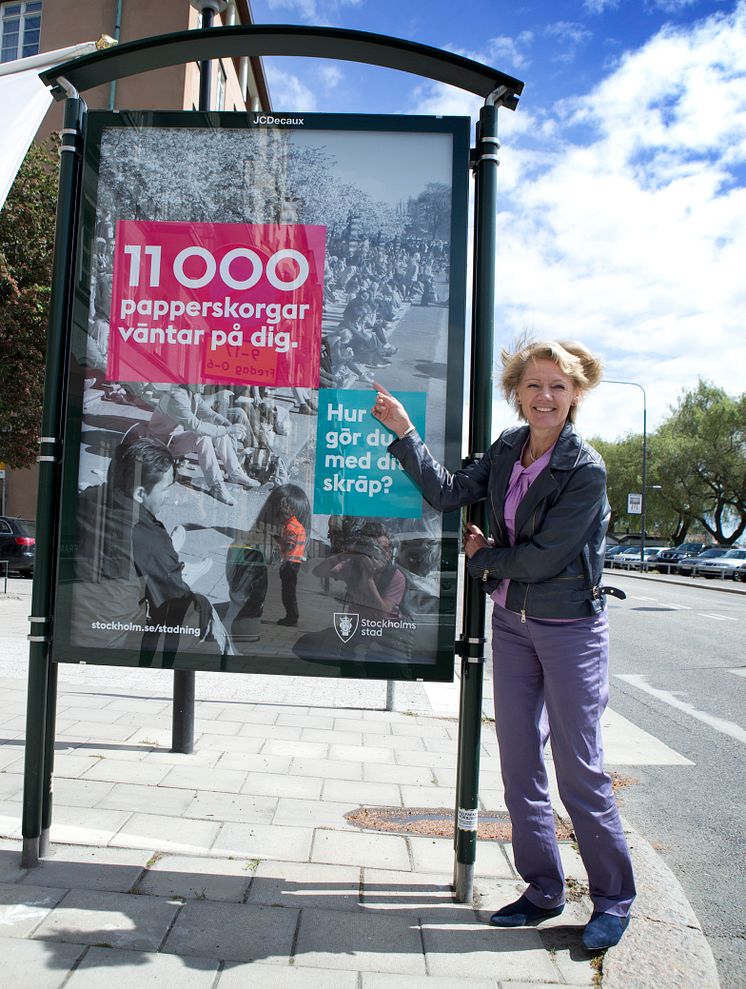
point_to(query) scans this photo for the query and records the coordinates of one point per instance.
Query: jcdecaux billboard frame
(229, 503)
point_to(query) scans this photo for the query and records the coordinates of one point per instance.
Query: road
(678, 670)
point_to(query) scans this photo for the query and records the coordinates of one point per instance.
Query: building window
(20, 27)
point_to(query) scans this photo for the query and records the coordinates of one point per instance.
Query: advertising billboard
(229, 502)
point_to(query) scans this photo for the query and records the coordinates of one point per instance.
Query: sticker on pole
(202, 303)
(467, 819)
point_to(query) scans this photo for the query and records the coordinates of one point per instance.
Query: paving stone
(233, 931)
(492, 800)
(436, 855)
(408, 775)
(304, 885)
(276, 785)
(424, 896)
(361, 753)
(143, 773)
(166, 834)
(378, 851)
(263, 733)
(424, 730)
(204, 726)
(355, 723)
(81, 867)
(232, 807)
(9, 754)
(198, 878)
(200, 757)
(86, 826)
(79, 792)
(115, 753)
(377, 943)
(306, 721)
(148, 705)
(479, 951)
(10, 819)
(251, 763)
(376, 980)
(296, 750)
(363, 794)
(338, 769)
(405, 743)
(427, 759)
(84, 731)
(430, 796)
(237, 744)
(120, 920)
(312, 813)
(24, 907)
(264, 841)
(141, 970)
(258, 976)
(332, 737)
(50, 963)
(147, 799)
(11, 786)
(71, 766)
(205, 778)
(10, 862)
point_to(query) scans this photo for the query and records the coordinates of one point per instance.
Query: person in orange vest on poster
(294, 513)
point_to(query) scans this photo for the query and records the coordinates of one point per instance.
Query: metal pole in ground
(182, 720)
(41, 702)
(472, 642)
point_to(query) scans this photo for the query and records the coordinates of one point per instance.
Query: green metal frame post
(42, 680)
(480, 419)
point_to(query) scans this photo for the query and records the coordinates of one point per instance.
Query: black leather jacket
(556, 565)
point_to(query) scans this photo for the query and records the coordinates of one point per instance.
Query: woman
(542, 566)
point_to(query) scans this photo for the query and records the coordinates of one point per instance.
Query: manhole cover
(437, 822)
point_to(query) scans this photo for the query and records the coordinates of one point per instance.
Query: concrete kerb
(727, 587)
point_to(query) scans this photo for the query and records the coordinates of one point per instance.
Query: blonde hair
(572, 358)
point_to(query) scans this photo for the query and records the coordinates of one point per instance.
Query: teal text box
(355, 474)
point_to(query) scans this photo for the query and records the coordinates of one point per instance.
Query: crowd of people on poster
(234, 498)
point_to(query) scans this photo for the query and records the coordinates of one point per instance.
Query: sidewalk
(236, 866)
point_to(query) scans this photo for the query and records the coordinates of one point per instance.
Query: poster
(229, 501)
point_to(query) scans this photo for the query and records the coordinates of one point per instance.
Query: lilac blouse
(520, 481)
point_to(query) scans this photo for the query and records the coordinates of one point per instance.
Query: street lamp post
(643, 505)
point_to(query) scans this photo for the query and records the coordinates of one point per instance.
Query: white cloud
(313, 11)
(330, 76)
(288, 92)
(634, 240)
(599, 6)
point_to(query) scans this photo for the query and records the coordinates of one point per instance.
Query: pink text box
(217, 302)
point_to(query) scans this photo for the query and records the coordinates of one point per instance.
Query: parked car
(17, 545)
(730, 565)
(688, 566)
(630, 559)
(614, 551)
(668, 559)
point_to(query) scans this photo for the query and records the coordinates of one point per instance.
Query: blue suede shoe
(603, 930)
(523, 913)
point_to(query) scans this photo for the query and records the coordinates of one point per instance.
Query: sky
(622, 184)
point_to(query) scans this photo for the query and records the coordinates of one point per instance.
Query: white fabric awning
(24, 100)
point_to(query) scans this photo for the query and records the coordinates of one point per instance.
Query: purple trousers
(553, 678)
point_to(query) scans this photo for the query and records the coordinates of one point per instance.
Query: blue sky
(622, 207)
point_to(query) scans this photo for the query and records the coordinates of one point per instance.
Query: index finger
(376, 387)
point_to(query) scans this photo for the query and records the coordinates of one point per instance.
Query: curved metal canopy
(157, 52)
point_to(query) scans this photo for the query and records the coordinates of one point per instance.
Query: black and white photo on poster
(191, 534)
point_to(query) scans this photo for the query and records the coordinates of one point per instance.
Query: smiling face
(545, 395)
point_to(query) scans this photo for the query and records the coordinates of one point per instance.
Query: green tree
(703, 455)
(623, 459)
(26, 247)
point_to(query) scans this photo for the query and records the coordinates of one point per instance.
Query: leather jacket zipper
(528, 586)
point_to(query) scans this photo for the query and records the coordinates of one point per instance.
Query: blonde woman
(542, 566)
